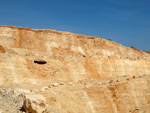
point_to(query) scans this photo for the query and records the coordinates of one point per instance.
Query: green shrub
(132, 46)
(109, 39)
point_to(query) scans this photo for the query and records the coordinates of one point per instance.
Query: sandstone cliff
(74, 73)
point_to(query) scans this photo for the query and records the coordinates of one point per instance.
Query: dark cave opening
(40, 62)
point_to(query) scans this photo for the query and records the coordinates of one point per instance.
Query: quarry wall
(105, 76)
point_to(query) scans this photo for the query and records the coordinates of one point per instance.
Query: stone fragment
(55, 84)
(44, 88)
(34, 103)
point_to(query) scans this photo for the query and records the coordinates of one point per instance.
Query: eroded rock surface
(48, 71)
(10, 101)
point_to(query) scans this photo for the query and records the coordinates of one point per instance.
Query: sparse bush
(132, 46)
(109, 39)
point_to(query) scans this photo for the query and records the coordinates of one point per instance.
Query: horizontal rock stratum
(62, 72)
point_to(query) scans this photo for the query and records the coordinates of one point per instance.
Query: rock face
(70, 73)
(10, 101)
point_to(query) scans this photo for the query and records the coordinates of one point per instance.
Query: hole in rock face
(22, 109)
(40, 61)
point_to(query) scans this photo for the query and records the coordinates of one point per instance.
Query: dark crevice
(83, 55)
(22, 109)
(40, 62)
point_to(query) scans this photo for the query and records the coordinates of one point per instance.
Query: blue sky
(124, 21)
